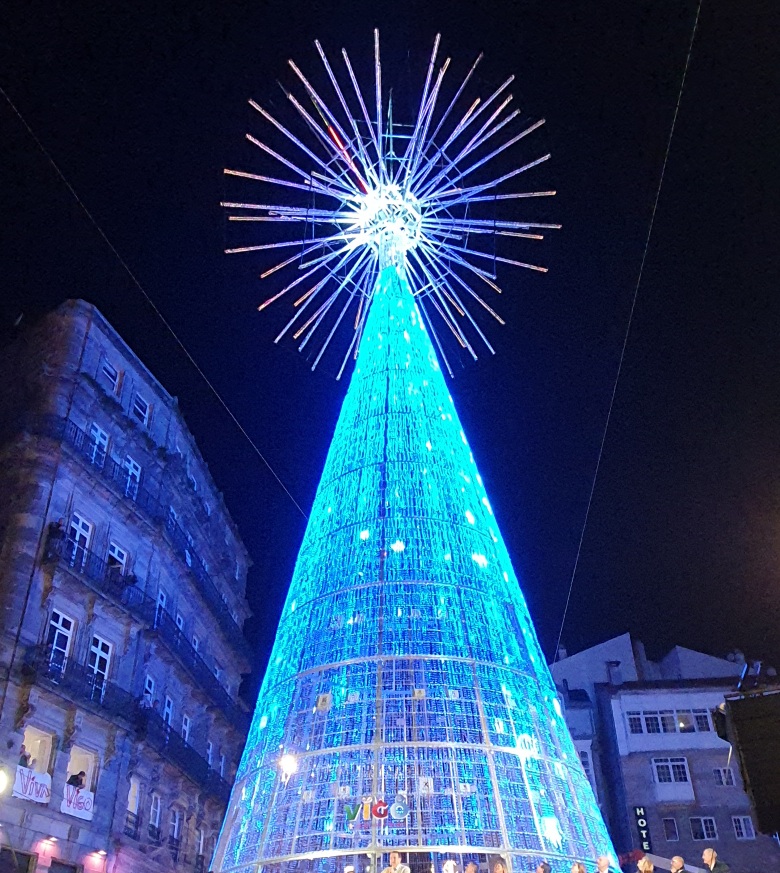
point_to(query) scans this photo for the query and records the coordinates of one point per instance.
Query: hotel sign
(640, 816)
(31, 785)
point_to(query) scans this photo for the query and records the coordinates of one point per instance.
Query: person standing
(602, 864)
(543, 867)
(677, 865)
(645, 865)
(711, 862)
(395, 865)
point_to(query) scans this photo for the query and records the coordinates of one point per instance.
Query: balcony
(200, 864)
(180, 646)
(108, 580)
(79, 682)
(117, 475)
(164, 740)
(100, 575)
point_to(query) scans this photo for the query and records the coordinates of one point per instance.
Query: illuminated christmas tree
(407, 703)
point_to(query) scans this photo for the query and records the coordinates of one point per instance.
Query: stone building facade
(667, 783)
(122, 598)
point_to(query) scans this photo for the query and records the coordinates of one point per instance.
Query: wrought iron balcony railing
(109, 580)
(119, 476)
(132, 825)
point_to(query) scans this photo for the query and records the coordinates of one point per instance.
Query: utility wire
(628, 326)
(148, 299)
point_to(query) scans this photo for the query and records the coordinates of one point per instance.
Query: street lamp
(4, 781)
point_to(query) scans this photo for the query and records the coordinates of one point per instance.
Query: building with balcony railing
(122, 598)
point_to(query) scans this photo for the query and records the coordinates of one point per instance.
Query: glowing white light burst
(420, 197)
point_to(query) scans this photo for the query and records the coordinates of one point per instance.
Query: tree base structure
(406, 697)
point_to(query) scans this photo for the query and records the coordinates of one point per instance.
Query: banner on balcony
(30, 785)
(78, 802)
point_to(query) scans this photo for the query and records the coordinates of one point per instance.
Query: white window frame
(98, 445)
(100, 649)
(61, 628)
(724, 777)
(133, 470)
(222, 763)
(676, 837)
(706, 822)
(113, 376)
(154, 811)
(743, 827)
(118, 557)
(634, 720)
(174, 831)
(149, 686)
(180, 621)
(670, 763)
(195, 642)
(209, 752)
(167, 715)
(186, 727)
(80, 533)
(141, 410)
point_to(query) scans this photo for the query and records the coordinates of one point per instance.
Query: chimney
(614, 673)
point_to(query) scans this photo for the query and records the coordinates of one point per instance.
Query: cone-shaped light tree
(407, 704)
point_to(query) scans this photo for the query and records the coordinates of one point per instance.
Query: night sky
(142, 108)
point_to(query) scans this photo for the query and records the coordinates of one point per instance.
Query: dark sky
(142, 106)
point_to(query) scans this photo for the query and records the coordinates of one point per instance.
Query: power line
(628, 325)
(148, 299)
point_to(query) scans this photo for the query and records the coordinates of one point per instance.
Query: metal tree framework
(406, 703)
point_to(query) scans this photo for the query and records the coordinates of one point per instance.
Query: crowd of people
(709, 858)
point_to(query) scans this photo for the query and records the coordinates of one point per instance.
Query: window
(80, 539)
(685, 723)
(670, 830)
(141, 410)
(175, 826)
(186, 724)
(117, 560)
(168, 710)
(58, 640)
(98, 664)
(209, 752)
(652, 723)
(37, 749)
(724, 776)
(222, 766)
(207, 507)
(634, 722)
(179, 621)
(217, 669)
(149, 686)
(743, 827)
(162, 599)
(702, 720)
(112, 377)
(585, 761)
(195, 642)
(667, 722)
(82, 760)
(98, 445)
(134, 795)
(133, 472)
(154, 818)
(668, 770)
(704, 829)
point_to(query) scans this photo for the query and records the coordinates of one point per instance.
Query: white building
(666, 782)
